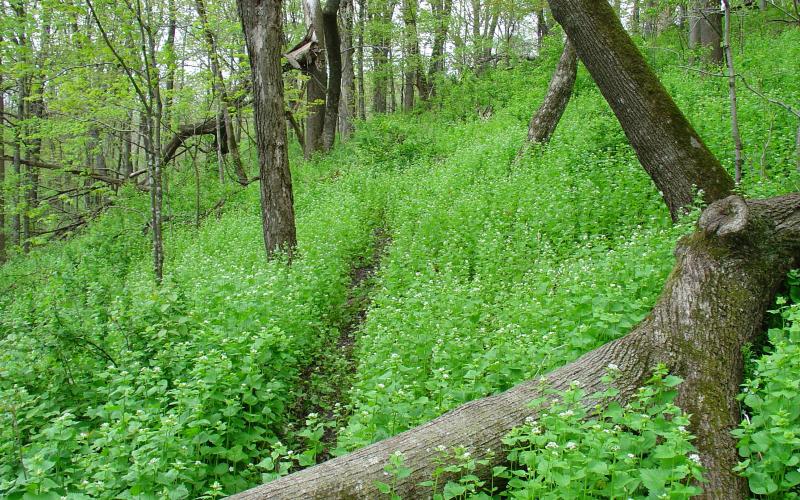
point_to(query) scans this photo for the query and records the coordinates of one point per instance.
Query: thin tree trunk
(347, 104)
(3, 253)
(226, 127)
(362, 97)
(712, 305)
(263, 29)
(441, 13)
(169, 49)
(541, 30)
(737, 138)
(330, 22)
(667, 146)
(411, 53)
(19, 208)
(545, 120)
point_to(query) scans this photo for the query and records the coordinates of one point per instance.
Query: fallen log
(725, 277)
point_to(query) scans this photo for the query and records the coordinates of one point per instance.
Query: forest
(407, 249)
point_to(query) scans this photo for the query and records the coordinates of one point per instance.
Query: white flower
(567, 413)
(536, 430)
(381, 386)
(682, 428)
(631, 455)
(441, 447)
(230, 469)
(445, 376)
(552, 445)
(570, 445)
(530, 420)
(694, 457)
(613, 367)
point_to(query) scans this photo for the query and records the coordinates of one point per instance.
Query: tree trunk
(330, 22)
(441, 14)
(410, 53)
(665, 142)
(362, 97)
(169, 49)
(712, 305)
(545, 120)
(347, 103)
(263, 29)
(705, 30)
(737, 138)
(225, 127)
(2, 172)
(318, 82)
(542, 30)
(19, 208)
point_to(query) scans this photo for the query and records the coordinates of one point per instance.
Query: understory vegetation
(495, 270)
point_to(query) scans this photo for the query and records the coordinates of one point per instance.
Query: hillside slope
(495, 272)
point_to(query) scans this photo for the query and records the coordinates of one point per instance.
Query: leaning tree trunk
(544, 122)
(262, 25)
(713, 304)
(667, 146)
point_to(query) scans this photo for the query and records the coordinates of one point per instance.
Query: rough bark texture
(263, 29)
(544, 122)
(347, 103)
(333, 42)
(667, 146)
(318, 81)
(712, 305)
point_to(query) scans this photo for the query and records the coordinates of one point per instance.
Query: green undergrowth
(564, 450)
(769, 436)
(497, 271)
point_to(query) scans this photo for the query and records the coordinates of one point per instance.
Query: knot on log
(725, 217)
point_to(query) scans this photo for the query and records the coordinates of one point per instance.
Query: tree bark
(705, 30)
(545, 120)
(330, 21)
(263, 29)
(362, 96)
(2, 171)
(410, 53)
(712, 305)
(318, 83)
(667, 146)
(347, 103)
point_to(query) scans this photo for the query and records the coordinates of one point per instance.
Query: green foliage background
(497, 271)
